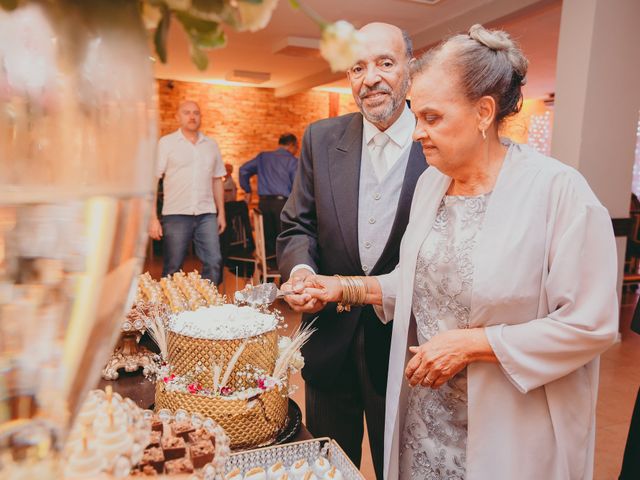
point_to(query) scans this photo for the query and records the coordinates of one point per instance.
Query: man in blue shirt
(276, 171)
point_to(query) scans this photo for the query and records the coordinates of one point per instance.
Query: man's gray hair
(408, 44)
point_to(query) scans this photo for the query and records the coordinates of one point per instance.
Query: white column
(598, 98)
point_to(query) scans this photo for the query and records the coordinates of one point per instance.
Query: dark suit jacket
(320, 229)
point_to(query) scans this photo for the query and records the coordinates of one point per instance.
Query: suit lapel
(344, 174)
(415, 166)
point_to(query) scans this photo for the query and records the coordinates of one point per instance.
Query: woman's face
(447, 123)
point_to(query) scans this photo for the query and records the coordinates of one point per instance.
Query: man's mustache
(378, 88)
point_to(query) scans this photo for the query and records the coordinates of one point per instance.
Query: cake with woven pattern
(229, 363)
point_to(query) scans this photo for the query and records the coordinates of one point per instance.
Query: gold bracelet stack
(354, 293)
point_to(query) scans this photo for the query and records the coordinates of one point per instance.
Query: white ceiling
(534, 23)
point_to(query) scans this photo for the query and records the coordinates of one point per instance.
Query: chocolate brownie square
(154, 440)
(182, 429)
(146, 471)
(181, 465)
(156, 424)
(201, 453)
(153, 457)
(173, 447)
(201, 434)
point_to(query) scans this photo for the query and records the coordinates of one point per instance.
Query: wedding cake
(227, 362)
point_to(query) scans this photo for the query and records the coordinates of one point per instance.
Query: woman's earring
(484, 134)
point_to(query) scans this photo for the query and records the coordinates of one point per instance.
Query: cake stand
(128, 354)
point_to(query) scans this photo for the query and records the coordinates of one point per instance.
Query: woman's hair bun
(500, 41)
(494, 39)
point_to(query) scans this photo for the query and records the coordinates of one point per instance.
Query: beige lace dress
(434, 438)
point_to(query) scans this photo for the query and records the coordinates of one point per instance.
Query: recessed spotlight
(247, 76)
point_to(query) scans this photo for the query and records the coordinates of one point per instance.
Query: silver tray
(291, 452)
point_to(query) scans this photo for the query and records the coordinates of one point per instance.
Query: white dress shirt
(188, 171)
(400, 133)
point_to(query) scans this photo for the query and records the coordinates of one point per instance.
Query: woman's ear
(486, 111)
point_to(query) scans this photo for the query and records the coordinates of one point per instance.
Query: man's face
(380, 80)
(189, 116)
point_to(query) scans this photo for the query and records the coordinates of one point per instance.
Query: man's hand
(247, 198)
(222, 223)
(300, 301)
(155, 229)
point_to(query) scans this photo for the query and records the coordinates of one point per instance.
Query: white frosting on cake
(84, 464)
(224, 322)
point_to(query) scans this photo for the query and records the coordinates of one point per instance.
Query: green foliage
(201, 21)
(198, 57)
(204, 35)
(161, 34)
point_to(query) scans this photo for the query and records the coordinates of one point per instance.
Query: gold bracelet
(354, 293)
(342, 305)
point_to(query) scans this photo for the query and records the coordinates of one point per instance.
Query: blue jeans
(178, 231)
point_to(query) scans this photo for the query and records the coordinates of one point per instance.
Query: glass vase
(77, 139)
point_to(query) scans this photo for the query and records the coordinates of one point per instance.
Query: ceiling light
(298, 47)
(247, 76)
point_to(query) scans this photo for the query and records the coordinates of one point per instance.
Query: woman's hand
(446, 354)
(323, 288)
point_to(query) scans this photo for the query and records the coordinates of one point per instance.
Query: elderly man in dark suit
(346, 215)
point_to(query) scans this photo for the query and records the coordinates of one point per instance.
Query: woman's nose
(419, 133)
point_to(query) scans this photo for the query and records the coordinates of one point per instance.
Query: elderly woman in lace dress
(505, 293)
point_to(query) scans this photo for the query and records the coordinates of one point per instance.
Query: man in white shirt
(193, 201)
(346, 215)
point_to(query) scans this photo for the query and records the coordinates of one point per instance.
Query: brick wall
(244, 120)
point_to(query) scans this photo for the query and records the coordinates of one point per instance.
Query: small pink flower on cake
(226, 391)
(194, 387)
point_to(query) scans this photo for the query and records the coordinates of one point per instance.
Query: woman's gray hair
(488, 62)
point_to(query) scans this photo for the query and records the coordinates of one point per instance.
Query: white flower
(283, 344)
(255, 16)
(297, 361)
(270, 382)
(341, 45)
